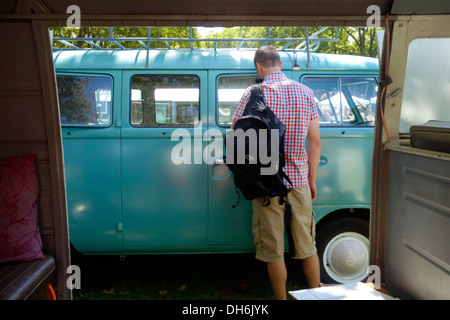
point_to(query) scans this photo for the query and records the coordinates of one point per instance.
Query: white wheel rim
(346, 257)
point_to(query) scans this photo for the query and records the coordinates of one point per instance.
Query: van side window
(164, 100)
(84, 100)
(344, 101)
(229, 92)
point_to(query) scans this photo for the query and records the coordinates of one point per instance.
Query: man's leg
(268, 233)
(311, 269)
(278, 276)
(304, 233)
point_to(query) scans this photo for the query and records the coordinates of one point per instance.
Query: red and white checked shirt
(293, 103)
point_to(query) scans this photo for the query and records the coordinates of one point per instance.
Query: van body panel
(354, 147)
(86, 59)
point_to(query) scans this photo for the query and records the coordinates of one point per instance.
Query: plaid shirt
(293, 103)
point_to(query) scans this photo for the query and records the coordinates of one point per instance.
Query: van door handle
(225, 170)
(323, 161)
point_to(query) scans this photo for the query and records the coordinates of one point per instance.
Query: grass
(179, 277)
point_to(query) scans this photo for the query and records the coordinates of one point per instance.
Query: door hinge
(119, 226)
(118, 122)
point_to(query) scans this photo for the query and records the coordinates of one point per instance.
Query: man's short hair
(267, 56)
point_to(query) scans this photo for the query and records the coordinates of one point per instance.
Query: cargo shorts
(268, 226)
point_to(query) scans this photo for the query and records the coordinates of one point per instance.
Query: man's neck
(269, 70)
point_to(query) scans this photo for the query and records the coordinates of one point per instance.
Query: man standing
(293, 103)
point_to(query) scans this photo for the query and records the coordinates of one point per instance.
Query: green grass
(179, 277)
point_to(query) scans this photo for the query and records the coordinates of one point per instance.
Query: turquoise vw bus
(129, 116)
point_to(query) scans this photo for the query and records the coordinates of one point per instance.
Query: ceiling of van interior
(208, 7)
(223, 12)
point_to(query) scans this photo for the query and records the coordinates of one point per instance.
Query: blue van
(124, 112)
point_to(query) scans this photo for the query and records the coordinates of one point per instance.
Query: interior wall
(29, 123)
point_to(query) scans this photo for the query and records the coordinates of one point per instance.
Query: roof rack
(309, 42)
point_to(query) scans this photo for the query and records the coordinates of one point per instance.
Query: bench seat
(26, 280)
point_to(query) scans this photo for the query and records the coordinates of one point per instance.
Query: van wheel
(343, 249)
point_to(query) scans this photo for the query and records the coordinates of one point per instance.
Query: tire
(343, 249)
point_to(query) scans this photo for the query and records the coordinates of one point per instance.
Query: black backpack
(248, 177)
(250, 171)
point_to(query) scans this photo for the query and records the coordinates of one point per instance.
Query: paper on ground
(351, 291)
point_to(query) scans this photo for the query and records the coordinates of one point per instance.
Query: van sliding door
(163, 176)
(89, 106)
(229, 228)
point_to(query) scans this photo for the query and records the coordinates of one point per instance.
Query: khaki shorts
(268, 227)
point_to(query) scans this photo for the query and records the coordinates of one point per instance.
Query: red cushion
(20, 239)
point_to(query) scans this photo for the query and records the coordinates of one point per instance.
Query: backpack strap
(238, 199)
(287, 225)
(285, 176)
(256, 95)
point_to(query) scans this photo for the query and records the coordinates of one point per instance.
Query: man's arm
(314, 147)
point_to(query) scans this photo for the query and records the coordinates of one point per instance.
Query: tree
(364, 38)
